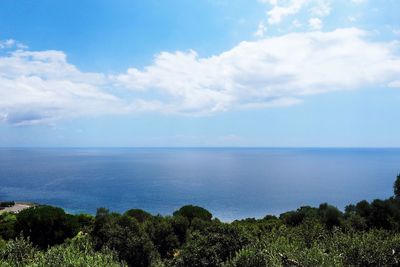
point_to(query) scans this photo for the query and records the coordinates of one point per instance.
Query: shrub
(211, 246)
(7, 224)
(18, 252)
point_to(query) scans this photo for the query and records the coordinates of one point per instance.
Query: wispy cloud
(315, 23)
(261, 29)
(278, 12)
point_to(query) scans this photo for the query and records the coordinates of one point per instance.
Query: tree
(329, 215)
(396, 188)
(124, 235)
(363, 208)
(140, 215)
(46, 225)
(191, 212)
(162, 235)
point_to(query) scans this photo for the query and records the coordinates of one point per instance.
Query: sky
(200, 73)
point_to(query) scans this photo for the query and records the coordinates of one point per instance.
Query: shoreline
(17, 207)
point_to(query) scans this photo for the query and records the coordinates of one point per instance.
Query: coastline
(17, 207)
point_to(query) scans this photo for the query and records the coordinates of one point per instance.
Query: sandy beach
(18, 207)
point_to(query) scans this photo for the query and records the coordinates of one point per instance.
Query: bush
(211, 246)
(373, 248)
(249, 257)
(77, 252)
(7, 224)
(18, 252)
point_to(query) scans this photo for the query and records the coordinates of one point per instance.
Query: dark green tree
(140, 215)
(162, 235)
(124, 235)
(191, 212)
(329, 215)
(363, 208)
(7, 224)
(212, 245)
(180, 225)
(396, 188)
(46, 225)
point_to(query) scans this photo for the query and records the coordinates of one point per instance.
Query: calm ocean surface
(232, 183)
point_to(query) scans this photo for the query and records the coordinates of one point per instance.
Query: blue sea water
(232, 183)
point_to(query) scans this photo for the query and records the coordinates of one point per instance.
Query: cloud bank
(43, 87)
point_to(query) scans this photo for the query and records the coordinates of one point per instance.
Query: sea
(232, 183)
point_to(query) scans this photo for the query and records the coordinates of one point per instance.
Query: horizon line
(201, 147)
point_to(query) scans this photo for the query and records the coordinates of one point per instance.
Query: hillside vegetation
(364, 234)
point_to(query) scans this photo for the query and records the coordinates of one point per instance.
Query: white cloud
(358, 1)
(352, 18)
(266, 72)
(322, 8)
(11, 43)
(260, 30)
(271, 2)
(278, 13)
(394, 84)
(315, 23)
(41, 86)
(281, 10)
(296, 23)
(7, 43)
(37, 87)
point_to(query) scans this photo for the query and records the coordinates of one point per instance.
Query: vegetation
(365, 234)
(6, 204)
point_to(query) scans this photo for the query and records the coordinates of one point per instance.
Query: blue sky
(274, 73)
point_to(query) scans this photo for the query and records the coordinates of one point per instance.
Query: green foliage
(249, 257)
(363, 208)
(18, 252)
(85, 221)
(329, 215)
(294, 218)
(285, 247)
(366, 234)
(161, 233)
(6, 204)
(396, 187)
(373, 248)
(77, 252)
(180, 225)
(7, 223)
(2, 244)
(124, 235)
(140, 215)
(211, 246)
(191, 212)
(46, 226)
